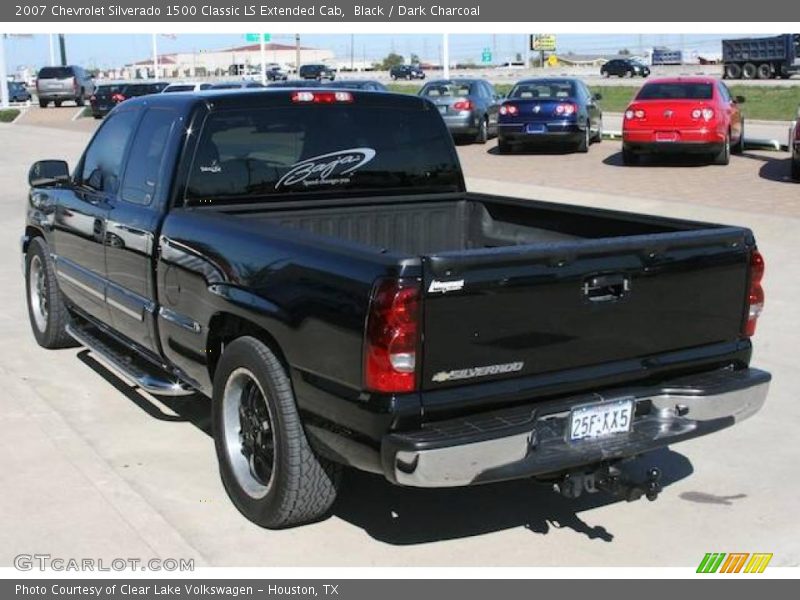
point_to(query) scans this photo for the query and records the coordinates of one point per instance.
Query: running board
(129, 365)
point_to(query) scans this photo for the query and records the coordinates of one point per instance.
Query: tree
(415, 59)
(392, 60)
(624, 52)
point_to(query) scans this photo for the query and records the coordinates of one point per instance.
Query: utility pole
(63, 46)
(352, 57)
(446, 55)
(263, 61)
(155, 57)
(52, 50)
(297, 54)
(3, 75)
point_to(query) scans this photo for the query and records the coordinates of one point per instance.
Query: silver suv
(56, 84)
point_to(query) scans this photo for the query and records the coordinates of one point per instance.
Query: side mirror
(48, 172)
(597, 96)
(740, 99)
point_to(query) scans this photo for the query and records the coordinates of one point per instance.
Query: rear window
(142, 89)
(108, 89)
(676, 91)
(438, 90)
(543, 89)
(311, 151)
(179, 88)
(55, 73)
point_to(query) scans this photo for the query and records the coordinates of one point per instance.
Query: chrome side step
(131, 367)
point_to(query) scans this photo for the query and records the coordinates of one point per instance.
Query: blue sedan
(550, 111)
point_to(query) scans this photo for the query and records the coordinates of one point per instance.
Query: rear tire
(483, 131)
(599, 135)
(629, 157)
(57, 103)
(43, 103)
(46, 310)
(282, 482)
(796, 169)
(723, 157)
(80, 100)
(749, 71)
(504, 147)
(764, 71)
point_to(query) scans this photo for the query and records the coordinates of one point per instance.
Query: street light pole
(297, 54)
(263, 61)
(446, 56)
(155, 57)
(63, 47)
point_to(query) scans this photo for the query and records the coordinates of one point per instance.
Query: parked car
(298, 83)
(468, 106)
(406, 72)
(313, 263)
(276, 73)
(57, 84)
(108, 95)
(17, 92)
(624, 67)
(683, 115)
(550, 111)
(794, 145)
(318, 72)
(236, 85)
(369, 85)
(187, 86)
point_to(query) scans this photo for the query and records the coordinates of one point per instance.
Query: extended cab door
(80, 223)
(132, 222)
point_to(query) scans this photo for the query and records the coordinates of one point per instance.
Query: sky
(114, 50)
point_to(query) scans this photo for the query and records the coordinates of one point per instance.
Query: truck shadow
(773, 168)
(405, 516)
(194, 409)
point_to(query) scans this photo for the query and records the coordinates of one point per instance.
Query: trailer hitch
(610, 479)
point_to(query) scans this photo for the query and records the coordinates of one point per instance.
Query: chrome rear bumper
(534, 439)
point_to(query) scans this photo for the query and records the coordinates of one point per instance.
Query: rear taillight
(117, 97)
(509, 109)
(703, 113)
(321, 97)
(463, 105)
(635, 113)
(392, 336)
(755, 294)
(565, 109)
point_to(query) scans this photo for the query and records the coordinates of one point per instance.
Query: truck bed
(472, 222)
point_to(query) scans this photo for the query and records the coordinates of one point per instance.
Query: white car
(187, 86)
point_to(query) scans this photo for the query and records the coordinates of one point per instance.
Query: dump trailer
(762, 58)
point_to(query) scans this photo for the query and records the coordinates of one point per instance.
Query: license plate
(597, 420)
(535, 128)
(666, 136)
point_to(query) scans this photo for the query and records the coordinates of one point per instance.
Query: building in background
(236, 61)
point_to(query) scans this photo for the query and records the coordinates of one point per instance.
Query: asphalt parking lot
(92, 468)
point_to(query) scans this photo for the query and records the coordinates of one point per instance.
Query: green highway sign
(256, 37)
(486, 55)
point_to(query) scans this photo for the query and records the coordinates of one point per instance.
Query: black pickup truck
(312, 261)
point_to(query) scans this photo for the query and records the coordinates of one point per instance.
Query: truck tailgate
(515, 311)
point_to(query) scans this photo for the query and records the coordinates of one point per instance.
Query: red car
(683, 115)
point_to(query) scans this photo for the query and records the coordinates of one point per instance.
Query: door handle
(606, 288)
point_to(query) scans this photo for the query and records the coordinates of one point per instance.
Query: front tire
(268, 468)
(43, 103)
(738, 147)
(46, 310)
(796, 169)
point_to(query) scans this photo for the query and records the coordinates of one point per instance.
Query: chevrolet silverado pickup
(312, 261)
